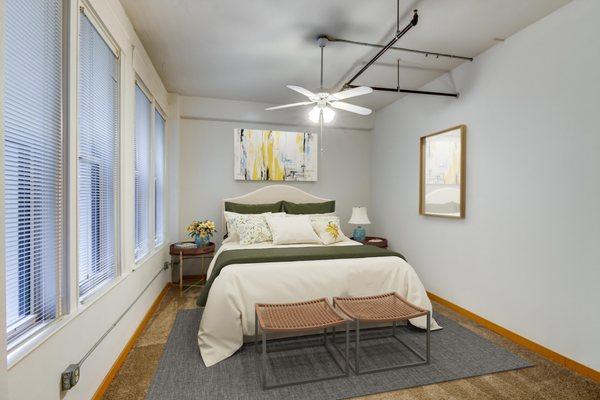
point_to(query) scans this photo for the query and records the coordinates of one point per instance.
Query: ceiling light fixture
(315, 114)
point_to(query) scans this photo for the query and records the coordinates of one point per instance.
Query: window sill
(100, 291)
(151, 253)
(23, 349)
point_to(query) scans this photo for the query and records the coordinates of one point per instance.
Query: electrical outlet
(70, 377)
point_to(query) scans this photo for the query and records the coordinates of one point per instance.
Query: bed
(228, 314)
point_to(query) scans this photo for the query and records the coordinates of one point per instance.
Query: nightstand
(374, 241)
(182, 253)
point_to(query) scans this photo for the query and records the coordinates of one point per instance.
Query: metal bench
(314, 315)
(389, 307)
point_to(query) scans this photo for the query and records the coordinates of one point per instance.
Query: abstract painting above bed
(263, 155)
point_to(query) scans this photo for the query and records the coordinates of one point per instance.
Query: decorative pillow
(328, 229)
(292, 229)
(232, 234)
(253, 208)
(252, 228)
(309, 208)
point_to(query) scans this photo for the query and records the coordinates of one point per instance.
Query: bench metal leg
(428, 350)
(263, 369)
(347, 350)
(255, 332)
(357, 349)
(425, 358)
(263, 357)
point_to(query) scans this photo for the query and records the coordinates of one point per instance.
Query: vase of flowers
(201, 231)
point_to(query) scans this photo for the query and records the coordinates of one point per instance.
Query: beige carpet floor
(546, 380)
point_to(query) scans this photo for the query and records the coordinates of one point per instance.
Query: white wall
(206, 157)
(35, 373)
(525, 256)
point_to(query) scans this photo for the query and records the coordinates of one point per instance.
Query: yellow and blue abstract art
(263, 155)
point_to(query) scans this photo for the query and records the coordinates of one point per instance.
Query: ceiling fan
(325, 101)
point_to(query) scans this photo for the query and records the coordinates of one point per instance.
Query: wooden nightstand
(374, 241)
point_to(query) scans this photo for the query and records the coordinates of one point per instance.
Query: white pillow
(328, 229)
(252, 228)
(292, 229)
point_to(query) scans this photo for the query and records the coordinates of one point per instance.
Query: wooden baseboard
(520, 340)
(123, 355)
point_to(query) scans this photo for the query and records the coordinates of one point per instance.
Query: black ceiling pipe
(399, 34)
(423, 52)
(399, 90)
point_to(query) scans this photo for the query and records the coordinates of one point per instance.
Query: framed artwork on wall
(265, 155)
(443, 173)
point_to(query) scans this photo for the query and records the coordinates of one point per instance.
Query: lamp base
(359, 234)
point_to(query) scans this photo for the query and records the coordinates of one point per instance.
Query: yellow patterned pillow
(328, 229)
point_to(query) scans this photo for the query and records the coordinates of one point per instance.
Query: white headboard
(273, 194)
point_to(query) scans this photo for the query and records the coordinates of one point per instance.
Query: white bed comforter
(229, 311)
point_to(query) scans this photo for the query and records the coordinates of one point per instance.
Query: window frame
(25, 330)
(69, 305)
(158, 109)
(153, 245)
(89, 12)
(149, 231)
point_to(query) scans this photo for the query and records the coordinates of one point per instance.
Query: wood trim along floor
(123, 355)
(520, 340)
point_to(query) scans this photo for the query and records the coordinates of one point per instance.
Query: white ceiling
(250, 49)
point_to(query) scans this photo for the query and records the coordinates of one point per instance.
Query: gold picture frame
(443, 173)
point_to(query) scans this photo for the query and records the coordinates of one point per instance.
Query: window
(149, 144)
(159, 177)
(33, 165)
(98, 127)
(143, 115)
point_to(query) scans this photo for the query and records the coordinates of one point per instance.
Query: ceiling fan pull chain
(322, 135)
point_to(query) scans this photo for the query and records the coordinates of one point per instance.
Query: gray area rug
(456, 353)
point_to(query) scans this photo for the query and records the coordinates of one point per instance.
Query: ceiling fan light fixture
(313, 114)
(328, 115)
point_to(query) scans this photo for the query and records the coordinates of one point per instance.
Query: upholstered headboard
(272, 194)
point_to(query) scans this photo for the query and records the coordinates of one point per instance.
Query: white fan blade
(350, 107)
(305, 92)
(346, 94)
(303, 103)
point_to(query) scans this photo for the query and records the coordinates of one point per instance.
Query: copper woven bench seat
(387, 307)
(298, 317)
(313, 315)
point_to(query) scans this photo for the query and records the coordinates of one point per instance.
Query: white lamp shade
(359, 216)
(328, 115)
(314, 114)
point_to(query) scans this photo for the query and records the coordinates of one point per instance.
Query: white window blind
(33, 166)
(98, 102)
(159, 177)
(143, 115)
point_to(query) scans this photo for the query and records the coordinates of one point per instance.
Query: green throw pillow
(253, 208)
(309, 208)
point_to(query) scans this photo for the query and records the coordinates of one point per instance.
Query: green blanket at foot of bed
(278, 254)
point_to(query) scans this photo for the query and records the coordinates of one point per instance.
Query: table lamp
(359, 217)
